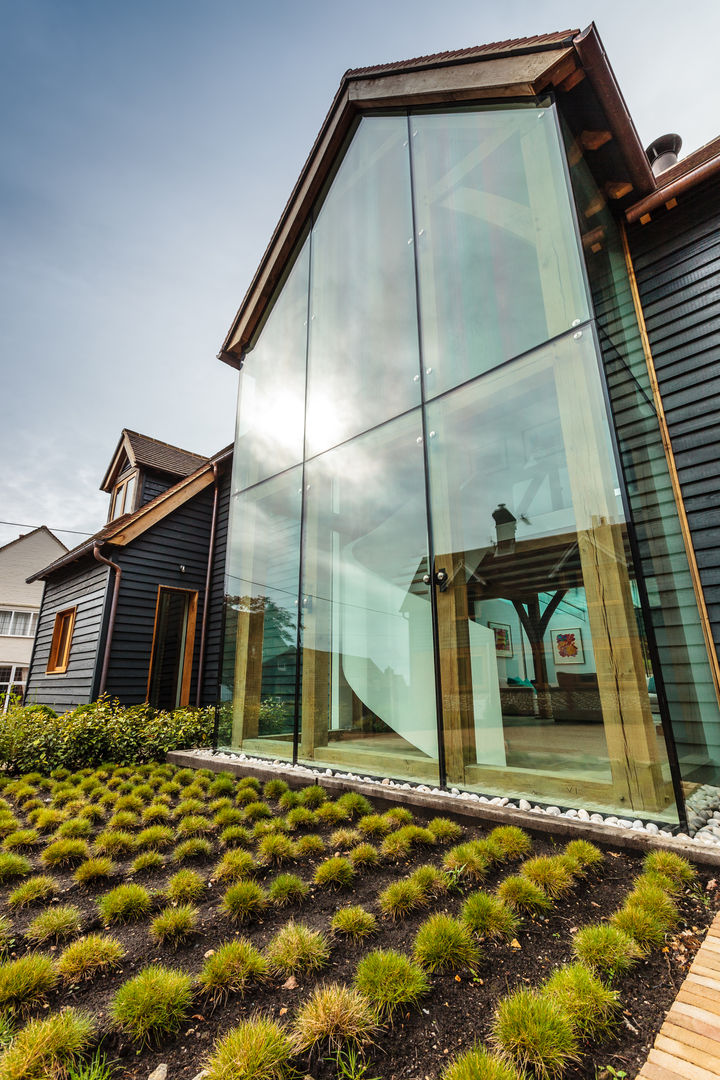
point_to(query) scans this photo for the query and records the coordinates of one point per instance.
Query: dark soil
(456, 1013)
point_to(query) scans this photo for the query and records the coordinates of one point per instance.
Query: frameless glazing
(498, 260)
(271, 402)
(545, 670)
(363, 358)
(684, 667)
(368, 689)
(259, 675)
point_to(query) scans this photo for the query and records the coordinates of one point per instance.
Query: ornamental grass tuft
(672, 865)
(535, 1032)
(521, 894)
(55, 924)
(287, 889)
(550, 873)
(36, 890)
(467, 860)
(644, 927)
(49, 1047)
(445, 830)
(126, 903)
(231, 968)
(195, 848)
(590, 1004)
(479, 1064)
(152, 1005)
(275, 848)
(14, 866)
(606, 949)
(390, 980)
(333, 1016)
(489, 917)
(26, 982)
(185, 887)
(443, 943)
(244, 900)
(337, 873)
(175, 925)
(353, 922)
(510, 842)
(235, 865)
(94, 869)
(295, 947)
(95, 954)
(364, 855)
(257, 1049)
(400, 898)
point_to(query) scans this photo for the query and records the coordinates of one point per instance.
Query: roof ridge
(27, 535)
(162, 442)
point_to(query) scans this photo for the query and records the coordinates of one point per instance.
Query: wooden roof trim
(123, 446)
(160, 507)
(670, 189)
(521, 75)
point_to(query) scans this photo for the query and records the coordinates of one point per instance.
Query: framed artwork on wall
(503, 638)
(567, 646)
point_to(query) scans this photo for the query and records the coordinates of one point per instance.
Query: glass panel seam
(442, 772)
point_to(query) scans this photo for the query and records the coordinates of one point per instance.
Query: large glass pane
(363, 362)
(260, 657)
(545, 668)
(271, 402)
(686, 674)
(368, 689)
(499, 266)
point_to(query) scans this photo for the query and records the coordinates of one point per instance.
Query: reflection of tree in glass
(275, 627)
(276, 619)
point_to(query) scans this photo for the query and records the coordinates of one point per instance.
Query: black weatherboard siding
(85, 586)
(155, 558)
(217, 591)
(153, 484)
(677, 264)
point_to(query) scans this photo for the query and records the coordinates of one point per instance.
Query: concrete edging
(629, 839)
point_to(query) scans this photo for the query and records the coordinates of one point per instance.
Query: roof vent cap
(663, 153)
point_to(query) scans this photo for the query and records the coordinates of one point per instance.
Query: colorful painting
(567, 646)
(503, 638)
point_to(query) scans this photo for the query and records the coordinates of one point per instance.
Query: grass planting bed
(153, 914)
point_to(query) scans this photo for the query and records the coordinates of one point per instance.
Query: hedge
(35, 738)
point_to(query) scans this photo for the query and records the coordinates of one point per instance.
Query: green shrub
(153, 1004)
(102, 731)
(257, 1049)
(332, 1016)
(336, 872)
(175, 925)
(93, 870)
(13, 866)
(590, 1004)
(47, 1048)
(26, 982)
(244, 901)
(92, 955)
(445, 944)
(535, 1032)
(126, 903)
(478, 1064)
(231, 968)
(296, 948)
(489, 916)
(185, 887)
(55, 924)
(287, 889)
(389, 979)
(36, 890)
(353, 922)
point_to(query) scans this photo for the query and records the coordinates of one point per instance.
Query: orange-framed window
(123, 497)
(61, 640)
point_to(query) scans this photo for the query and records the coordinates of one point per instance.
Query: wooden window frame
(120, 491)
(58, 662)
(189, 642)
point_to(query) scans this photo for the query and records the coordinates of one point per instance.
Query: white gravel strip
(703, 806)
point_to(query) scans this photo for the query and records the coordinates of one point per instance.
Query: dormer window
(123, 496)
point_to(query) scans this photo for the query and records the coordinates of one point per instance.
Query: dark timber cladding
(85, 587)
(217, 591)
(156, 558)
(677, 265)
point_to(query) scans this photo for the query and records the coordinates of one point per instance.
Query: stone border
(446, 804)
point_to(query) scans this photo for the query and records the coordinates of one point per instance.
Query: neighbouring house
(20, 604)
(136, 610)
(475, 516)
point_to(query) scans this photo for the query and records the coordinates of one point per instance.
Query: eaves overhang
(522, 68)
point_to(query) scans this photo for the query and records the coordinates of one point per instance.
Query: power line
(24, 525)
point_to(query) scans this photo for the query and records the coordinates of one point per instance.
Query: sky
(148, 148)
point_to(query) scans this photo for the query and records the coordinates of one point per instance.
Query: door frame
(189, 642)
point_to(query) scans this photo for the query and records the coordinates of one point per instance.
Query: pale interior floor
(570, 752)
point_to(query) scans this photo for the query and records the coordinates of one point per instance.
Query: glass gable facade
(434, 572)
